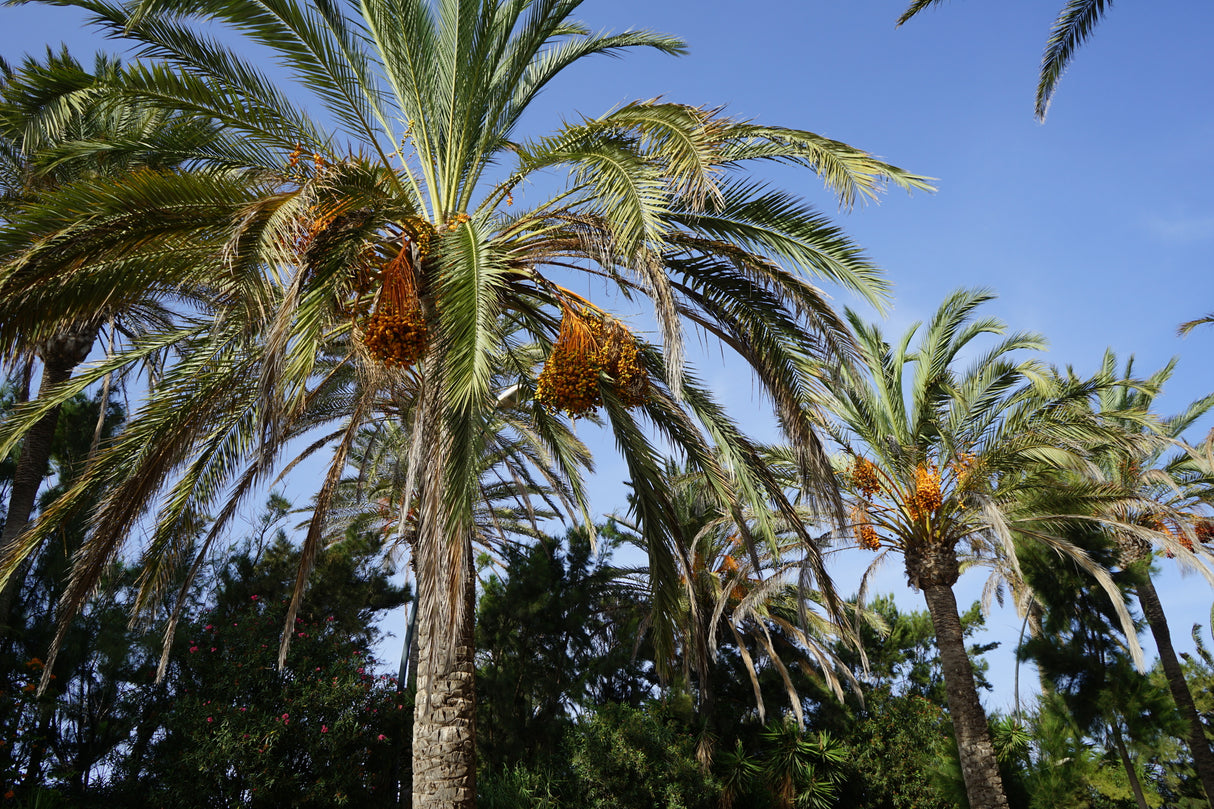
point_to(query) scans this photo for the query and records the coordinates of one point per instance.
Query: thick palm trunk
(444, 714)
(982, 782)
(1203, 759)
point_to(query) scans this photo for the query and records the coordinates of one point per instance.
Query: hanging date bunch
(570, 378)
(621, 362)
(863, 530)
(927, 496)
(395, 333)
(587, 346)
(864, 476)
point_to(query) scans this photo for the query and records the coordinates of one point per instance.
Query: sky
(1095, 228)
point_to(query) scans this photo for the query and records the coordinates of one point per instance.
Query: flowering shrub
(228, 729)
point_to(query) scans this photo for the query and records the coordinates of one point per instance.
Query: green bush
(624, 758)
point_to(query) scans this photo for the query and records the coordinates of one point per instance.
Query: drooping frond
(1070, 30)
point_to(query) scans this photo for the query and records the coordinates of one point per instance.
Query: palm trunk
(444, 714)
(982, 782)
(1203, 759)
(1124, 755)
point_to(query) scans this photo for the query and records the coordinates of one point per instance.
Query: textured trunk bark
(444, 716)
(1203, 759)
(60, 358)
(1124, 754)
(982, 782)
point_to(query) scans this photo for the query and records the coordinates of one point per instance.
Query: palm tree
(60, 126)
(939, 463)
(1174, 491)
(757, 596)
(1071, 29)
(388, 254)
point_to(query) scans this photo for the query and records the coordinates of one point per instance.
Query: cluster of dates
(395, 334)
(586, 347)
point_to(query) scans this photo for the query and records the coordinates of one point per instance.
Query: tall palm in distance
(390, 248)
(940, 462)
(1174, 489)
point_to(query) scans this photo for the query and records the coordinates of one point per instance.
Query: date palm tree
(760, 600)
(1174, 487)
(940, 462)
(388, 252)
(1071, 28)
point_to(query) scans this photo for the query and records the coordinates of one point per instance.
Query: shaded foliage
(556, 631)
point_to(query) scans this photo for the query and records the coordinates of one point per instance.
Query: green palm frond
(1188, 326)
(1070, 30)
(848, 172)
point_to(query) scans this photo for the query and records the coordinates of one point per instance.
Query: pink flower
(380, 737)
(303, 634)
(213, 649)
(285, 717)
(360, 671)
(253, 598)
(324, 728)
(193, 649)
(209, 720)
(209, 626)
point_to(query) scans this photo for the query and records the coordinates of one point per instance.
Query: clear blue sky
(1096, 228)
